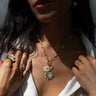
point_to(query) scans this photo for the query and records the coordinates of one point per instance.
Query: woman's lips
(42, 4)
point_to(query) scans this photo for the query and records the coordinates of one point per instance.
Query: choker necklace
(49, 67)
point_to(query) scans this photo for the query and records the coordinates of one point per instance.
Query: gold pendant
(48, 73)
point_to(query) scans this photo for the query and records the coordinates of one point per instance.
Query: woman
(51, 28)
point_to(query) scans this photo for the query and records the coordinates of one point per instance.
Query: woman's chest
(61, 74)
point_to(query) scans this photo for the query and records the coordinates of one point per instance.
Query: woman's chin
(46, 18)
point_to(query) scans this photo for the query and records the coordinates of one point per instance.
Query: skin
(56, 9)
(54, 20)
(11, 74)
(86, 75)
(57, 20)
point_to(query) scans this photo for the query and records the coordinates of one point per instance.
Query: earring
(75, 4)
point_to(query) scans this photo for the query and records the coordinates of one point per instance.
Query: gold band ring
(22, 66)
(11, 57)
(78, 64)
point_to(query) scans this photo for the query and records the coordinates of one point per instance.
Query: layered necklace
(48, 74)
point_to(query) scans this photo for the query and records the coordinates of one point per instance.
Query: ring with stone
(11, 57)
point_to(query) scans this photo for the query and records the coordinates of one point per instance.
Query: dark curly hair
(20, 17)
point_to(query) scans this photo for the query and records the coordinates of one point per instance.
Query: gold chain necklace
(49, 67)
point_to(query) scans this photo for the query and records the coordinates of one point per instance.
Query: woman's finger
(1, 62)
(91, 58)
(75, 71)
(92, 61)
(24, 60)
(7, 63)
(18, 56)
(83, 59)
(28, 66)
(77, 63)
(82, 63)
(12, 50)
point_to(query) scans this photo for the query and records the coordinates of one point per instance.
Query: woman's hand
(12, 74)
(86, 73)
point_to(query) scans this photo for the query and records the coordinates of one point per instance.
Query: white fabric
(30, 88)
(72, 86)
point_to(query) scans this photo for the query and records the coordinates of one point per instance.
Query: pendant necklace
(49, 67)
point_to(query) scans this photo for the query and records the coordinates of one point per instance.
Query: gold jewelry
(22, 66)
(11, 57)
(75, 4)
(49, 67)
(78, 64)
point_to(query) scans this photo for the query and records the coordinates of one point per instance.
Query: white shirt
(28, 87)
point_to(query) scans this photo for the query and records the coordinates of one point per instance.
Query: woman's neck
(58, 29)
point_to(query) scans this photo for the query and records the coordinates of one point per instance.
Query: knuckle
(93, 65)
(24, 55)
(93, 61)
(82, 72)
(81, 56)
(87, 62)
(78, 75)
(81, 67)
(18, 55)
(11, 52)
(7, 63)
(15, 69)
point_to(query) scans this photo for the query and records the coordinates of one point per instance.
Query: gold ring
(11, 57)
(78, 64)
(23, 66)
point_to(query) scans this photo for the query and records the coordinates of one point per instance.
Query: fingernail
(30, 60)
(22, 45)
(27, 48)
(13, 47)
